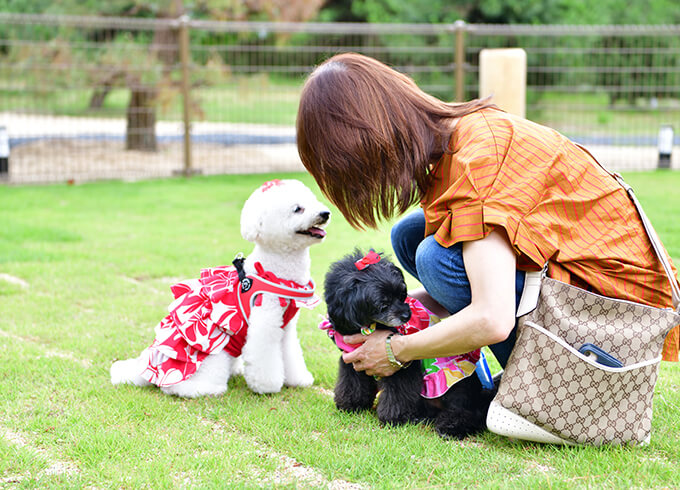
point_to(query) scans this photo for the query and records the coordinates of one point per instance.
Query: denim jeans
(441, 271)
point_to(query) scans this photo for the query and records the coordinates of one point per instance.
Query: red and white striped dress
(555, 203)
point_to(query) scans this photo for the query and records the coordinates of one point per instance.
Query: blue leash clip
(483, 372)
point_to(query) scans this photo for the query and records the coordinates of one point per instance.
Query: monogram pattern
(554, 388)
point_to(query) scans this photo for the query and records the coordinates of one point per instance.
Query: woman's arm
(490, 264)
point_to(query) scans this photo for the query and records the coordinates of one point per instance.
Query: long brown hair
(368, 134)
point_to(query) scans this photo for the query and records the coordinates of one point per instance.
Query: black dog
(360, 293)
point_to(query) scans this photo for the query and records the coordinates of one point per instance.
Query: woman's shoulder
(509, 130)
(478, 128)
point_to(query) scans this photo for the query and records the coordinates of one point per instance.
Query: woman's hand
(371, 356)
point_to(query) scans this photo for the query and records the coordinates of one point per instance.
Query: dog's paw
(127, 372)
(399, 415)
(300, 380)
(455, 429)
(453, 424)
(187, 389)
(354, 404)
(350, 396)
(262, 382)
(397, 408)
(237, 367)
(264, 387)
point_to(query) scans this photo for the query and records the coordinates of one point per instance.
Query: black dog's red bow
(370, 258)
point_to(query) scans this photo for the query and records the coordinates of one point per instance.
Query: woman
(499, 195)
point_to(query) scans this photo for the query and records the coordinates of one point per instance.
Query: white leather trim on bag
(530, 293)
(502, 421)
(588, 360)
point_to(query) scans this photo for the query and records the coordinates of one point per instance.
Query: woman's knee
(437, 263)
(442, 273)
(406, 235)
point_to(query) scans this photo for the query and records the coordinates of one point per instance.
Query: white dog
(246, 312)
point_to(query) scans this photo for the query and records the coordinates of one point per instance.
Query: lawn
(85, 272)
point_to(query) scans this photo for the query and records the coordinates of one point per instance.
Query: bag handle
(651, 233)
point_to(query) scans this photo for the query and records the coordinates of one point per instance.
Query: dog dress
(439, 374)
(212, 313)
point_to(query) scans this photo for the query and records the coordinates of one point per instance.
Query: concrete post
(503, 74)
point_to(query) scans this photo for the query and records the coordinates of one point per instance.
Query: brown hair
(368, 134)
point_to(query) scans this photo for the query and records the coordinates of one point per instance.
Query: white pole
(4, 152)
(665, 146)
(503, 74)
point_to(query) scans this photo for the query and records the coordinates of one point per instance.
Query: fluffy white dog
(246, 312)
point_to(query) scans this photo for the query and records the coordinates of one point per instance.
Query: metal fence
(85, 98)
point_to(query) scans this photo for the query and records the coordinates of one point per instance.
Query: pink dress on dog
(439, 374)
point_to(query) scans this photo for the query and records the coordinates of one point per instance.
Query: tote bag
(555, 390)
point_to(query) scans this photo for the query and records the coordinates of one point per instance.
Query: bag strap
(656, 243)
(651, 233)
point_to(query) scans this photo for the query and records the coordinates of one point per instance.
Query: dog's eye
(298, 209)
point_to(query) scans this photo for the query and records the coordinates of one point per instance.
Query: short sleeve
(495, 177)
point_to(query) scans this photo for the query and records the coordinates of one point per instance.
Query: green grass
(98, 259)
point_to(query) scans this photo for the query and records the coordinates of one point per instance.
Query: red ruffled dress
(211, 313)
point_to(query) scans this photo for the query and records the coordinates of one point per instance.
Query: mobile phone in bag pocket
(600, 356)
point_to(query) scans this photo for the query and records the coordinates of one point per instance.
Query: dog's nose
(325, 215)
(406, 316)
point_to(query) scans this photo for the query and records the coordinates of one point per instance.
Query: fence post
(459, 28)
(503, 74)
(185, 59)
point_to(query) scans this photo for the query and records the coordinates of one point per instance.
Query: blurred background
(137, 89)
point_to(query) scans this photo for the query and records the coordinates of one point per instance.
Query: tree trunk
(103, 87)
(141, 119)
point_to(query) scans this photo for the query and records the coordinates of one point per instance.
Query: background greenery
(415, 11)
(622, 84)
(96, 262)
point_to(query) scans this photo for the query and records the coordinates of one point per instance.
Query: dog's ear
(250, 230)
(344, 295)
(251, 217)
(343, 313)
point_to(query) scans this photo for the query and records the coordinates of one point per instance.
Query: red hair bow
(370, 258)
(268, 185)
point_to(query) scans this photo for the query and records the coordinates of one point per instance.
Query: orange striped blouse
(555, 203)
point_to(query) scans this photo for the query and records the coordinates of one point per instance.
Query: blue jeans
(441, 271)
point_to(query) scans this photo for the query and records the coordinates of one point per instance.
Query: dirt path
(49, 149)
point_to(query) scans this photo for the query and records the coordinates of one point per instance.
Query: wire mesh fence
(85, 98)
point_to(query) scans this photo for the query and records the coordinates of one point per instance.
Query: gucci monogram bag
(584, 366)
